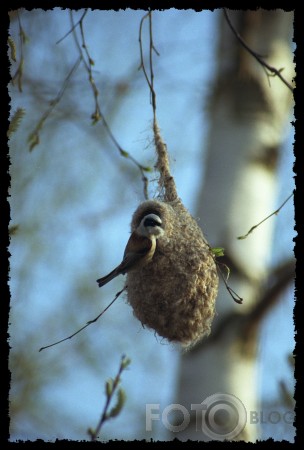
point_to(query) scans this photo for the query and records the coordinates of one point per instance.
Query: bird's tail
(104, 280)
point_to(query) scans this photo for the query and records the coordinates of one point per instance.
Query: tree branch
(34, 138)
(276, 212)
(111, 388)
(278, 280)
(87, 324)
(23, 38)
(259, 58)
(167, 187)
(98, 114)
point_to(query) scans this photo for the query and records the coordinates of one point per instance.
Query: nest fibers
(175, 293)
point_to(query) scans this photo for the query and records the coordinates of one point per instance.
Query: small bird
(140, 247)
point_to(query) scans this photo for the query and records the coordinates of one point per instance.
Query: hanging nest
(175, 293)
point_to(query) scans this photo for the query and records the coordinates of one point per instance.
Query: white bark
(248, 124)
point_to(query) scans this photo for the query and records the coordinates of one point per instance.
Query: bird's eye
(149, 222)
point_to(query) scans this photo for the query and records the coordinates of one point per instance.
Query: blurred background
(72, 196)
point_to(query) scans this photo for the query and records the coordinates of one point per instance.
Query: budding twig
(266, 218)
(110, 388)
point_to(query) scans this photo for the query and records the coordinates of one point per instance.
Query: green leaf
(125, 362)
(109, 387)
(218, 251)
(147, 169)
(121, 399)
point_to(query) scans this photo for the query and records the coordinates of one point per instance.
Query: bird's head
(150, 225)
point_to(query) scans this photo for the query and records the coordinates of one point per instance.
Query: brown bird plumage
(140, 247)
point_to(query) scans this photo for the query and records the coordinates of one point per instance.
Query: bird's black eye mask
(150, 211)
(149, 222)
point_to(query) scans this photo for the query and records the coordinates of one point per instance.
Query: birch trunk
(249, 115)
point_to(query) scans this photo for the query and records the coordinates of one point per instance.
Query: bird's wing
(136, 249)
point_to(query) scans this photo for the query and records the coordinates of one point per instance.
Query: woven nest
(175, 293)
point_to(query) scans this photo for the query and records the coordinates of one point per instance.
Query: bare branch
(166, 181)
(87, 324)
(276, 212)
(73, 27)
(33, 137)
(259, 58)
(142, 66)
(19, 72)
(220, 252)
(98, 114)
(281, 277)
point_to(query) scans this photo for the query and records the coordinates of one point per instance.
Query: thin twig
(87, 324)
(217, 252)
(266, 218)
(231, 292)
(33, 138)
(150, 80)
(111, 387)
(142, 64)
(162, 165)
(259, 58)
(74, 26)
(19, 72)
(98, 114)
(281, 277)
